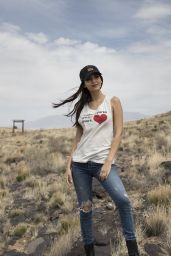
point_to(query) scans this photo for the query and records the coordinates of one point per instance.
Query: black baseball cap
(88, 71)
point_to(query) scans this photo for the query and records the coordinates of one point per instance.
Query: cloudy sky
(45, 43)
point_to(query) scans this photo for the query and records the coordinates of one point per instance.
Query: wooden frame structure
(18, 121)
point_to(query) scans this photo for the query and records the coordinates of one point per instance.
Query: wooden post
(15, 127)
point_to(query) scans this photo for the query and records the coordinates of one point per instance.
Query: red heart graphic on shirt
(100, 118)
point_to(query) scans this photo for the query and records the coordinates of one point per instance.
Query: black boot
(132, 248)
(89, 249)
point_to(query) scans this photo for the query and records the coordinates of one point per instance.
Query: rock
(152, 249)
(109, 206)
(166, 165)
(32, 247)
(14, 253)
(54, 216)
(166, 177)
(97, 190)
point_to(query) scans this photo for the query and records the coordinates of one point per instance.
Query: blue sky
(45, 43)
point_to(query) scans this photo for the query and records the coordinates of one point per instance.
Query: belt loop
(89, 163)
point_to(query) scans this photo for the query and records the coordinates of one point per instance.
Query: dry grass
(156, 221)
(167, 239)
(69, 232)
(19, 230)
(160, 195)
(154, 159)
(32, 168)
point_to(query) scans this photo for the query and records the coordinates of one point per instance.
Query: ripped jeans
(82, 174)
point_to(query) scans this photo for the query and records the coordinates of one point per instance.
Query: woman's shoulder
(113, 99)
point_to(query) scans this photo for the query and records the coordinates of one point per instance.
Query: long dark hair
(85, 97)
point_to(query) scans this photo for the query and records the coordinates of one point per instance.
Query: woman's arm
(79, 132)
(118, 127)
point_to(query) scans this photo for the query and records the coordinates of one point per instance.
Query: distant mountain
(61, 121)
(55, 121)
(131, 116)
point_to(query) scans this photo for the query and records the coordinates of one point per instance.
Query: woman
(99, 126)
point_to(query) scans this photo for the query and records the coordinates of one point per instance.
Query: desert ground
(39, 214)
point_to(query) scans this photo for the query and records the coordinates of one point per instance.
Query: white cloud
(40, 38)
(34, 74)
(66, 41)
(161, 49)
(114, 32)
(5, 26)
(153, 11)
(159, 31)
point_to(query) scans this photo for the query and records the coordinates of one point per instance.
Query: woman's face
(93, 82)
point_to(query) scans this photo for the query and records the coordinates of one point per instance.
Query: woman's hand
(105, 170)
(69, 176)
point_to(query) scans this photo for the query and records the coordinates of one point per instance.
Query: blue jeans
(82, 174)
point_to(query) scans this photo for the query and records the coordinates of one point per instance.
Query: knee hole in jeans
(86, 206)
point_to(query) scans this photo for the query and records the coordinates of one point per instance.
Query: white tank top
(98, 132)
